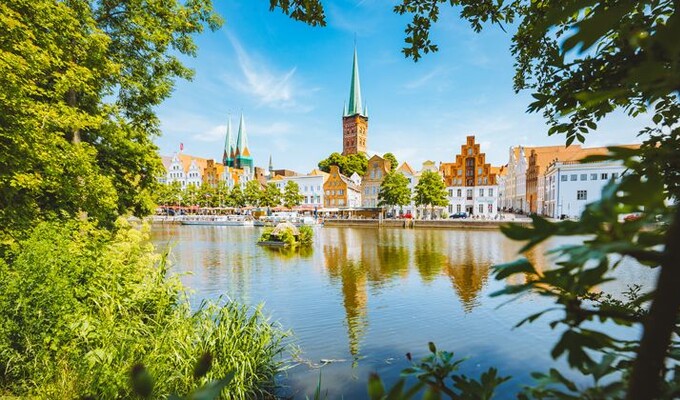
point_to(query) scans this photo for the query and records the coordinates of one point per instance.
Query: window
(460, 192)
(581, 195)
(479, 181)
(341, 192)
(584, 177)
(479, 171)
(469, 152)
(481, 208)
(458, 208)
(460, 172)
(450, 208)
(490, 208)
(481, 192)
(593, 177)
(450, 193)
(564, 178)
(469, 194)
(490, 192)
(572, 177)
(615, 175)
(341, 202)
(486, 181)
(604, 176)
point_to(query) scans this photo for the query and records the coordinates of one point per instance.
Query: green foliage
(79, 82)
(306, 235)
(430, 190)
(287, 237)
(266, 234)
(347, 164)
(252, 193)
(237, 197)
(394, 190)
(79, 307)
(271, 196)
(437, 375)
(393, 161)
(291, 195)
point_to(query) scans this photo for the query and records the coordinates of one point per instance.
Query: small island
(286, 234)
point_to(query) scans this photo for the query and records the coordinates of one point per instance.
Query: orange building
(470, 167)
(340, 191)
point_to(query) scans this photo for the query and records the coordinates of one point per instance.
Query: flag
(181, 146)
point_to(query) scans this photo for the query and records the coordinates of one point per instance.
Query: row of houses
(547, 180)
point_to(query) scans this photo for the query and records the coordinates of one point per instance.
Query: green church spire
(228, 156)
(355, 88)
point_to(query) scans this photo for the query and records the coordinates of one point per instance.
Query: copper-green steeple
(228, 156)
(355, 89)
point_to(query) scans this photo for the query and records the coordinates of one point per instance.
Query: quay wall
(440, 223)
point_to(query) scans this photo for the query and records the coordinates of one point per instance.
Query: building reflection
(343, 260)
(428, 254)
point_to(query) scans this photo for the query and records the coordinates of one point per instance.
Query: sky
(291, 80)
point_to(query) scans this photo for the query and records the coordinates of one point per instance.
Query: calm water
(364, 297)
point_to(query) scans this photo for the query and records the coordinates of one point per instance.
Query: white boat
(218, 220)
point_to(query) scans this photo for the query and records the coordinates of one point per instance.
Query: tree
(222, 193)
(394, 190)
(393, 161)
(430, 191)
(78, 118)
(347, 164)
(253, 193)
(236, 197)
(291, 195)
(271, 196)
(583, 60)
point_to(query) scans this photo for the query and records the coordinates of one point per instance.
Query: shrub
(266, 234)
(306, 235)
(79, 307)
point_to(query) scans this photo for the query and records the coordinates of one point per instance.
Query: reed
(79, 307)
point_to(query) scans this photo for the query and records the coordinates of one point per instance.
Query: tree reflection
(428, 256)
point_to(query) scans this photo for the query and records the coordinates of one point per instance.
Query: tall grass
(79, 307)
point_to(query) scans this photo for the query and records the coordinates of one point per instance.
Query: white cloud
(261, 82)
(422, 80)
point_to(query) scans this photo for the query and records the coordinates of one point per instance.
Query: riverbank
(429, 224)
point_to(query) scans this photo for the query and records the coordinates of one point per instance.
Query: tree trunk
(660, 323)
(71, 100)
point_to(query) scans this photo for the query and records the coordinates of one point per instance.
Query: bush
(79, 307)
(266, 234)
(306, 235)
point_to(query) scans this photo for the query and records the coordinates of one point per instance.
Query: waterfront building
(471, 182)
(378, 167)
(570, 185)
(340, 191)
(354, 119)
(311, 187)
(213, 173)
(185, 169)
(501, 179)
(413, 177)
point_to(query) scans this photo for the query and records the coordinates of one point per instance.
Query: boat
(218, 220)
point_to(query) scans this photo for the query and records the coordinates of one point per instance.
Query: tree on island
(271, 196)
(394, 190)
(430, 191)
(252, 193)
(583, 60)
(347, 164)
(392, 159)
(291, 195)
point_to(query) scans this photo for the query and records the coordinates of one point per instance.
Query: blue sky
(290, 81)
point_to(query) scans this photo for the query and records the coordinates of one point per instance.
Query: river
(364, 297)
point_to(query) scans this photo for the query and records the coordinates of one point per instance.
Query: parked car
(458, 215)
(406, 216)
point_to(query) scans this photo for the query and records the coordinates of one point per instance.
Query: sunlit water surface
(365, 297)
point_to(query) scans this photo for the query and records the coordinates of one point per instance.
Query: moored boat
(219, 220)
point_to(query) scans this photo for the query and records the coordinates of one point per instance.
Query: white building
(311, 187)
(187, 170)
(570, 185)
(480, 201)
(413, 178)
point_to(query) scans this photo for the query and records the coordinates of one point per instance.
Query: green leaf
(522, 265)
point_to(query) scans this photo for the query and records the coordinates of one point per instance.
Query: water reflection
(367, 294)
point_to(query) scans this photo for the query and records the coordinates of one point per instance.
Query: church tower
(354, 119)
(243, 159)
(228, 155)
